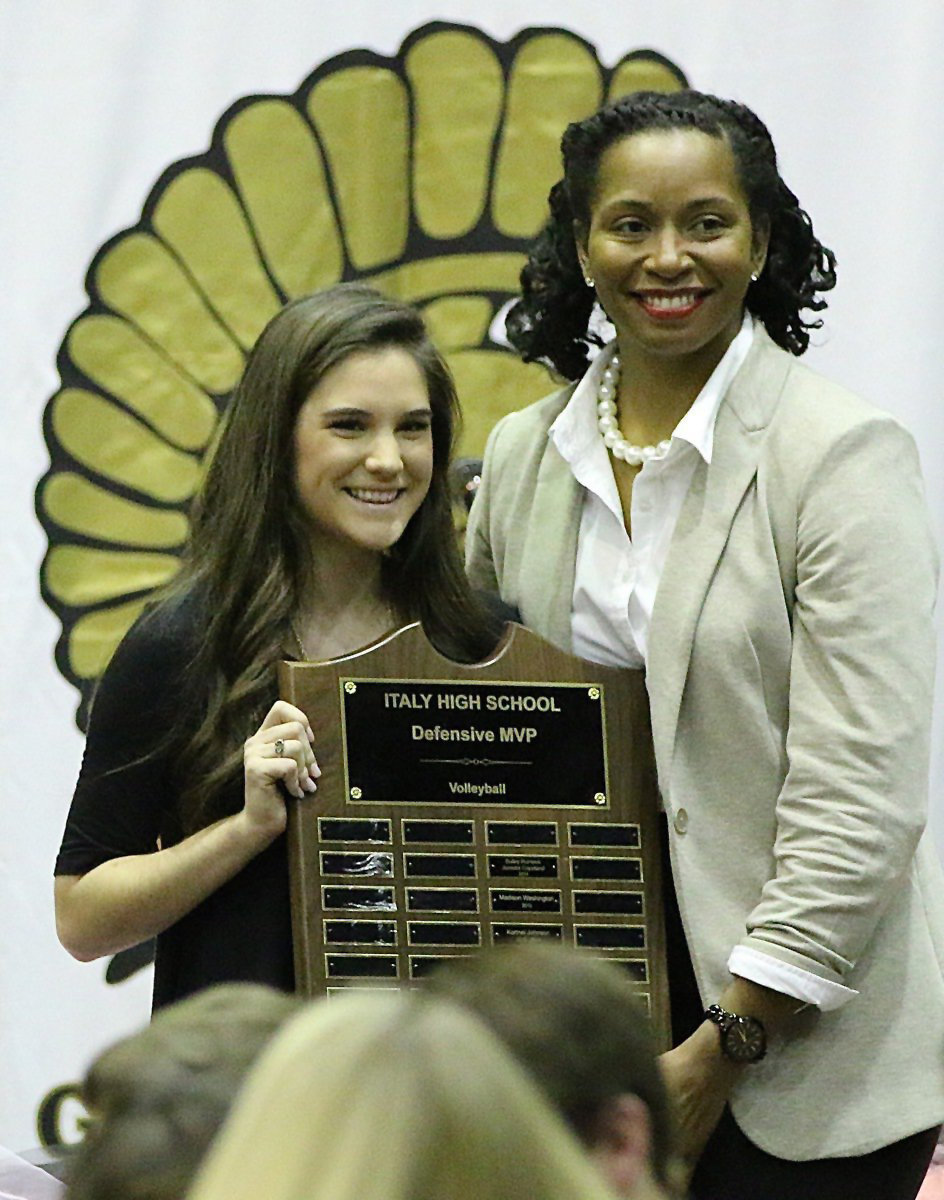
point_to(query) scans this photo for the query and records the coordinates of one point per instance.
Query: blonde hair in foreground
(396, 1096)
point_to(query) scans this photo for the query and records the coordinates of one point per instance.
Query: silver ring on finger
(279, 747)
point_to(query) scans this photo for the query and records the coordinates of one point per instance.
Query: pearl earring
(588, 280)
(754, 277)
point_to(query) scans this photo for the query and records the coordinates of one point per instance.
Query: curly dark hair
(550, 321)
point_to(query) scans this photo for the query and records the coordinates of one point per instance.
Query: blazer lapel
(549, 550)
(702, 532)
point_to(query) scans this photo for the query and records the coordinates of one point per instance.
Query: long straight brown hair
(250, 551)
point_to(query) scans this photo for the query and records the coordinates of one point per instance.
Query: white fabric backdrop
(97, 98)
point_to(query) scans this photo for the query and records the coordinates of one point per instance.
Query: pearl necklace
(614, 441)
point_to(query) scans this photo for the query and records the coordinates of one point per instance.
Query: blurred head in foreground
(393, 1096)
(157, 1098)
(573, 1022)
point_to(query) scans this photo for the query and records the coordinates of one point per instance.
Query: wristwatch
(743, 1039)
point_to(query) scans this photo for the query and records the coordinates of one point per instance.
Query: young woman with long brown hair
(324, 523)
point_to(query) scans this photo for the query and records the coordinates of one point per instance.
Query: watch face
(744, 1040)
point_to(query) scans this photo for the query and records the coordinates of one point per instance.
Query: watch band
(722, 1018)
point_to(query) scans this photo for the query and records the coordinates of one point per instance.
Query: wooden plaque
(464, 806)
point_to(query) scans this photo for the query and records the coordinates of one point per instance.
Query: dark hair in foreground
(575, 1025)
(158, 1097)
(550, 321)
(250, 552)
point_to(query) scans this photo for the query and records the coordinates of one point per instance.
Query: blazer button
(680, 820)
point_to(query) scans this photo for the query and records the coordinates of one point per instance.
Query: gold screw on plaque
(593, 693)
(599, 798)
(350, 687)
(356, 792)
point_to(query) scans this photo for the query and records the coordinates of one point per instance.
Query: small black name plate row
(355, 898)
(346, 968)
(469, 933)
(497, 833)
(357, 864)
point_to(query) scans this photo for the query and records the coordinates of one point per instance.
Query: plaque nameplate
(444, 933)
(340, 989)
(622, 903)
(422, 965)
(544, 901)
(623, 869)
(447, 742)
(533, 866)
(361, 966)
(440, 866)
(364, 864)
(616, 937)
(503, 932)
(360, 933)
(603, 834)
(442, 899)
(437, 831)
(636, 968)
(354, 829)
(521, 833)
(373, 899)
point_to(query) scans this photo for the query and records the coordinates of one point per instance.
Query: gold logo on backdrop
(426, 173)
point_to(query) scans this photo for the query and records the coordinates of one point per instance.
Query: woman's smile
(671, 305)
(375, 495)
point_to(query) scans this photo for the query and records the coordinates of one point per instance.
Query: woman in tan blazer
(700, 504)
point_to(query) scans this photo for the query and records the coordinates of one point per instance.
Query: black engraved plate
(622, 903)
(444, 933)
(422, 965)
(354, 829)
(361, 966)
(604, 834)
(502, 932)
(615, 937)
(624, 869)
(343, 990)
(442, 899)
(441, 866)
(360, 933)
(533, 866)
(469, 742)
(636, 968)
(374, 899)
(505, 900)
(438, 831)
(363, 863)
(521, 833)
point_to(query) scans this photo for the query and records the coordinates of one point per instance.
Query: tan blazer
(790, 675)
